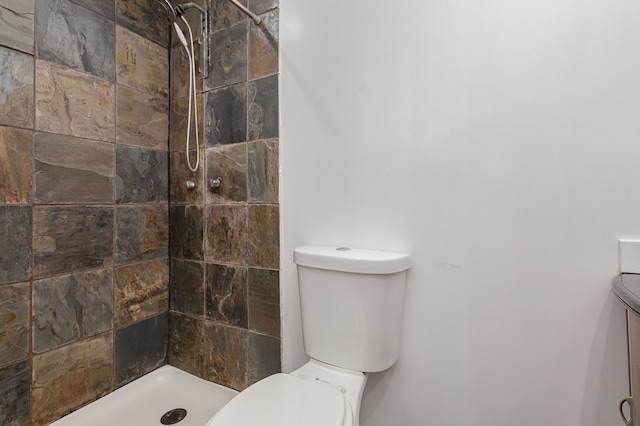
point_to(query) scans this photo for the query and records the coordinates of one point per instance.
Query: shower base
(146, 400)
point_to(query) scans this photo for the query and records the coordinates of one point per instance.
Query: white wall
(498, 143)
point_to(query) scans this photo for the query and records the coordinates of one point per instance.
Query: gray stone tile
(142, 175)
(186, 336)
(263, 46)
(263, 171)
(226, 115)
(16, 89)
(263, 108)
(140, 348)
(76, 37)
(142, 119)
(15, 305)
(228, 163)
(145, 18)
(179, 63)
(186, 232)
(264, 301)
(224, 14)
(73, 103)
(178, 120)
(16, 165)
(141, 291)
(228, 56)
(225, 355)
(226, 294)
(14, 395)
(226, 234)
(142, 233)
(16, 24)
(71, 239)
(261, 6)
(15, 243)
(187, 287)
(106, 8)
(72, 307)
(73, 170)
(264, 357)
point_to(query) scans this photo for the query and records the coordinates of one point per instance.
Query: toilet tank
(351, 304)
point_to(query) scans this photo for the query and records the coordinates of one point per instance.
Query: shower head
(168, 12)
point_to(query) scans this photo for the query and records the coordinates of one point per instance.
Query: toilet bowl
(351, 304)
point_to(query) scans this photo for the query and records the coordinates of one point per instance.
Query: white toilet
(351, 304)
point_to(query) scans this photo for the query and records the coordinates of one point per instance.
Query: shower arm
(256, 19)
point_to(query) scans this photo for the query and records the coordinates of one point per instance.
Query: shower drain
(174, 416)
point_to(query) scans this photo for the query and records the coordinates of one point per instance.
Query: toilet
(351, 305)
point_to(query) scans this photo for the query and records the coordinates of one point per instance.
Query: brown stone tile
(264, 357)
(14, 394)
(226, 234)
(72, 307)
(145, 18)
(263, 245)
(15, 305)
(73, 170)
(263, 171)
(263, 46)
(228, 163)
(69, 102)
(226, 294)
(141, 291)
(68, 239)
(225, 355)
(16, 89)
(181, 174)
(68, 377)
(179, 63)
(185, 233)
(178, 120)
(16, 165)
(264, 301)
(141, 64)
(187, 287)
(142, 233)
(142, 119)
(186, 343)
(224, 14)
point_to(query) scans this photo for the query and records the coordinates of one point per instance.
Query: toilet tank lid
(355, 260)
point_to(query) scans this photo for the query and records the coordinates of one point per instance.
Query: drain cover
(172, 417)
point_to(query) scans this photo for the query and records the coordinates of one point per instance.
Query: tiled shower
(109, 266)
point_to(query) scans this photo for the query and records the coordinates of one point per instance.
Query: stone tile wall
(84, 186)
(224, 310)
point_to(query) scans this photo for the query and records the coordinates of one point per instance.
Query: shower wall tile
(186, 336)
(261, 6)
(264, 357)
(141, 64)
(73, 170)
(226, 294)
(16, 88)
(226, 115)
(185, 233)
(228, 56)
(263, 108)
(14, 395)
(140, 348)
(106, 8)
(178, 119)
(142, 175)
(15, 305)
(179, 73)
(70, 239)
(263, 171)
(72, 307)
(180, 174)
(16, 24)
(73, 103)
(263, 236)
(76, 37)
(16, 165)
(142, 233)
(230, 164)
(187, 287)
(226, 234)
(71, 376)
(225, 355)
(145, 18)
(141, 118)
(141, 291)
(15, 244)
(194, 18)
(263, 46)
(264, 301)
(224, 14)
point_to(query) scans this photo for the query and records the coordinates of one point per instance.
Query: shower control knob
(215, 183)
(190, 184)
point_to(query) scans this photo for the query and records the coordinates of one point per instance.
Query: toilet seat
(285, 400)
